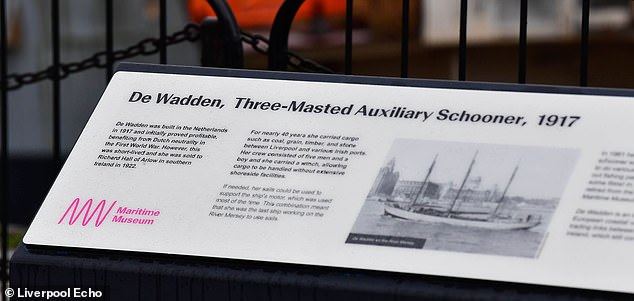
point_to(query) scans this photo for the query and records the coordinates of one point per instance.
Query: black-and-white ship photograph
(464, 197)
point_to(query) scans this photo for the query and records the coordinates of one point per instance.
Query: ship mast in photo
(435, 211)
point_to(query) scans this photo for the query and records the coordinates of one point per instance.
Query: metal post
(163, 33)
(585, 28)
(348, 46)
(227, 31)
(521, 77)
(57, 129)
(405, 39)
(462, 60)
(109, 40)
(278, 42)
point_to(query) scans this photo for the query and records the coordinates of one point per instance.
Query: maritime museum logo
(100, 213)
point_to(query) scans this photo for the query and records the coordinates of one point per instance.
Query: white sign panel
(501, 185)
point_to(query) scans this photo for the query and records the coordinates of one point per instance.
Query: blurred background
(318, 33)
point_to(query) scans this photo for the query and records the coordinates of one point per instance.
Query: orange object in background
(260, 13)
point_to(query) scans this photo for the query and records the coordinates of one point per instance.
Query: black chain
(149, 46)
(191, 32)
(258, 43)
(261, 45)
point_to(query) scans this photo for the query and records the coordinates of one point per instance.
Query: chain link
(149, 46)
(191, 32)
(305, 64)
(261, 45)
(256, 41)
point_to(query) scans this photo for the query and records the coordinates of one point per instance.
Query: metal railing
(279, 57)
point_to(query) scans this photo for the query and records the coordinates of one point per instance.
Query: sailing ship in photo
(487, 217)
(493, 199)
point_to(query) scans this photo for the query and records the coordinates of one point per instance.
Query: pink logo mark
(87, 214)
